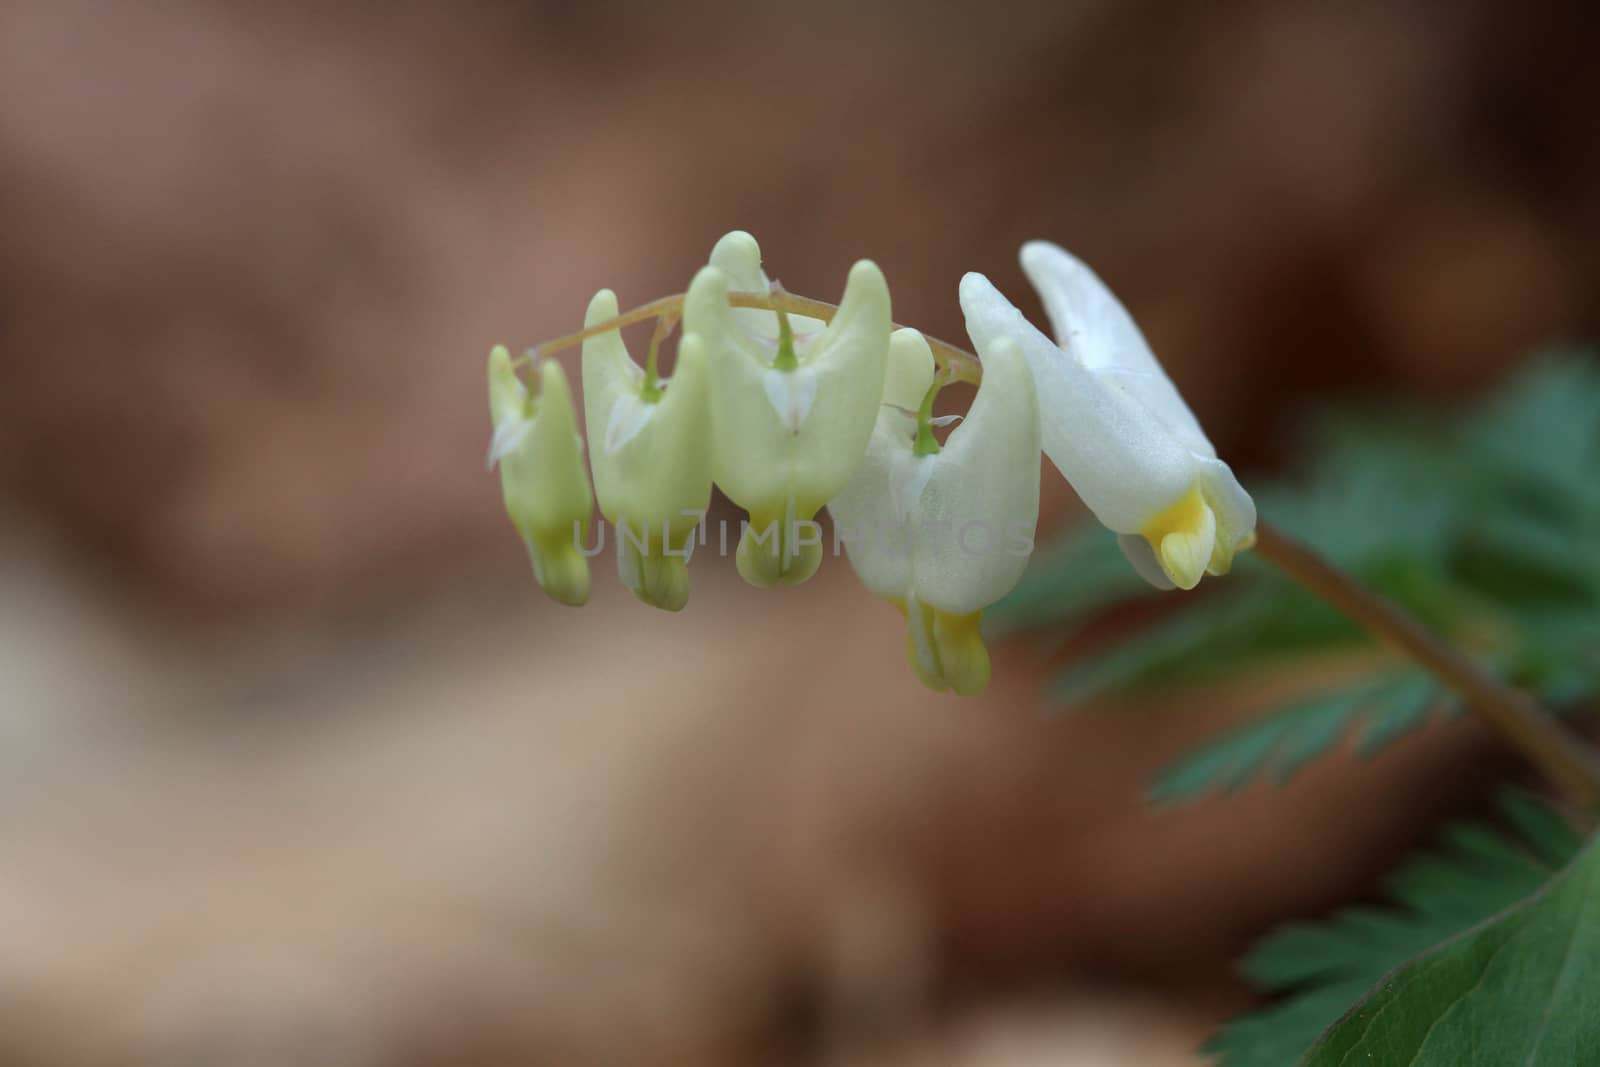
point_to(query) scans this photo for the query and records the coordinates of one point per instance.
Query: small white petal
(629, 414)
(791, 394)
(507, 436)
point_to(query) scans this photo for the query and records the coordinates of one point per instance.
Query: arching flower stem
(957, 363)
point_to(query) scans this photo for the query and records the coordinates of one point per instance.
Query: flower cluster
(790, 405)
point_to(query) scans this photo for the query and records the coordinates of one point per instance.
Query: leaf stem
(1559, 753)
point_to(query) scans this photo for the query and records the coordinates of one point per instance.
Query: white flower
(650, 449)
(793, 403)
(540, 455)
(944, 533)
(1115, 425)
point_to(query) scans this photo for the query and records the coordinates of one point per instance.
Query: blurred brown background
(295, 763)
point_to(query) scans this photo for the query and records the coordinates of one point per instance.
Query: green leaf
(1283, 741)
(1543, 431)
(1518, 988)
(1190, 639)
(1320, 969)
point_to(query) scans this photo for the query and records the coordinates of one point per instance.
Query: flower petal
(981, 504)
(1091, 324)
(1101, 439)
(545, 487)
(738, 257)
(651, 458)
(1235, 511)
(628, 415)
(1143, 557)
(508, 397)
(908, 372)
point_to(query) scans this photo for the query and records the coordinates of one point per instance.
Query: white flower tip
(739, 243)
(909, 371)
(602, 306)
(1037, 255)
(706, 303)
(975, 285)
(989, 314)
(864, 272)
(738, 256)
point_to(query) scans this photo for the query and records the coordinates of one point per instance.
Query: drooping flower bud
(794, 401)
(540, 454)
(942, 533)
(650, 449)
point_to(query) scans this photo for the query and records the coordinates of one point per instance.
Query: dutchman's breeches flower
(1115, 425)
(540, 454)
(944, 532)
(790, 404)
(793, 404)
(650, 449)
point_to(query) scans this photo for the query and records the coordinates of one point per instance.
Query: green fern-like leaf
(1319, 970)
(1382, 709)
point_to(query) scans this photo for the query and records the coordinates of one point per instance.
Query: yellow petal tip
(561, 571)
(778, 551)
(945, 650)
(1184, 538)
